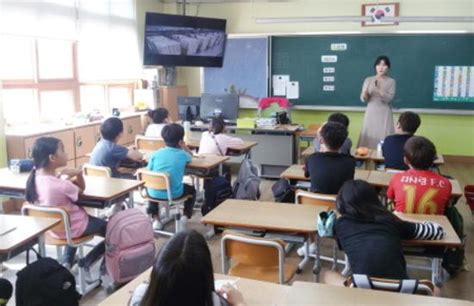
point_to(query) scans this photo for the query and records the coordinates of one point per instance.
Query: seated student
(215, 141)
(371, 235)
(160, 117)
(45, 187)
(6, 290)
(347, 145)
(172, 159)
(419, 190)
(108, 153)
(329, 169)
(183, 275)
(392, 147)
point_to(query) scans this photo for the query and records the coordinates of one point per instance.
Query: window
(71, 55)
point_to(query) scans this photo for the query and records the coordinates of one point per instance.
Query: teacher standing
(378, 92)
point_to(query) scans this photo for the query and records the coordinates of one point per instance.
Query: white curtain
(107, 40)
(105, 31)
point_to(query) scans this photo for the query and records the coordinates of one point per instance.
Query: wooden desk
(256, 293)
(100, 191)
(296, 172)
(314, 294)
(377, 157)
(310, 150)
(231, 151)
(267, 216)
(17, 233)
(450, 240)
(382, 179)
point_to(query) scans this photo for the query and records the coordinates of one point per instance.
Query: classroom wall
(143, 6)
(3, 148)
(452, 134)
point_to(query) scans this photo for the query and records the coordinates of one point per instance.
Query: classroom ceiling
(222, 1)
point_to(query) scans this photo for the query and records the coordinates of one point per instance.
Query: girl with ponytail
(46, 186)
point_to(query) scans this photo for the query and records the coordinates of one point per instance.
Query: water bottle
(187, 131)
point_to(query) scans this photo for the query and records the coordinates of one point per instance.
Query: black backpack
(216, 191)
(282, 192)
(46, 283)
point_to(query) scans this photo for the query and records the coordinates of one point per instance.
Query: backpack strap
(408, 286)
(217, 145)
(362, 281)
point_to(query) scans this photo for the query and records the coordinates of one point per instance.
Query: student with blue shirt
(107, 153)
(172, 159)
(392, 147)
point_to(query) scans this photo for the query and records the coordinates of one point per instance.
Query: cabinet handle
(130, 129)
(78, 142)
(98, 137)
(29, 152)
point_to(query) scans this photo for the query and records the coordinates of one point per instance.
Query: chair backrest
(148, 143)
(311, 198)
(155, 180)
(92, 170)
(53, 213)
(253, 251)
(410, 286)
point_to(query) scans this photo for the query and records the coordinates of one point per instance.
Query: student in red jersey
(419, 190)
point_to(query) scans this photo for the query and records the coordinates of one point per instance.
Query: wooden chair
(148, 143)
(256, 258)
(410, 286)
(64, 225)
(161, 181)
(91, 170)
(329, 200)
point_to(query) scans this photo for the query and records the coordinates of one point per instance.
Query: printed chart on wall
(244, 71)
(454, 84)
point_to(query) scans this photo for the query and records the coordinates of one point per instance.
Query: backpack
(216, 191)
(247, 185)
(453, 259)
(46, 282)
(129, 245)
(282, 192)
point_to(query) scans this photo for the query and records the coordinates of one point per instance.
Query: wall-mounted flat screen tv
(174, 40)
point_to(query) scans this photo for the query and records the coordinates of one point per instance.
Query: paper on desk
(279, 84)
(293, 90)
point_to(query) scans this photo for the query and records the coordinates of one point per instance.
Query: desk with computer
(199, 110)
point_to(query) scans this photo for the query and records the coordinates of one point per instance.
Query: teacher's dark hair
(382, 58)
(182, 273)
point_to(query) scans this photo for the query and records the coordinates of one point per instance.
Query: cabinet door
(81, 161)
(97, 134)
(131, 128)
(84, 140)
(67, 138)
(29, 142)
(136, 123)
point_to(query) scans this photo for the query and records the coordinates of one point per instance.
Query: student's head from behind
(48, 152)
(111, 129)
(333, 135)
(358, 199)
(6, 290)
(382, 65)
(408, 122)
(217, 125)
(159, 115)
(340, 118)
(173, 135)
(182, 273)
(419, 152)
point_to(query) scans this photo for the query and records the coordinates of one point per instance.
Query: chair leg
(82, 277)
(334, 257)
(59, 252)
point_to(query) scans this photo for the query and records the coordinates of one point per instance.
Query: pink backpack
(129, 245)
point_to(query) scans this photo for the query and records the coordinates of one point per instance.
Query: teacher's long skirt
(378, 124)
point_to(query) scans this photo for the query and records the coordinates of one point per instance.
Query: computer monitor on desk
(226, 105)
(189, 108)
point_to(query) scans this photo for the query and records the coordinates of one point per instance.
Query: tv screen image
(226, 105)
(173, 40)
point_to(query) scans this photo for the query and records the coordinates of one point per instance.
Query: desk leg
(41, 246)
(130, 199)
(437, 272)
(221, 169)
(317, 262)
(306, 257)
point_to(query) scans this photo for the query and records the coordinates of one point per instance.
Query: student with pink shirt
(46, 187)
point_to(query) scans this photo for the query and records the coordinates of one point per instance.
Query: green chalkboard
(413, 57)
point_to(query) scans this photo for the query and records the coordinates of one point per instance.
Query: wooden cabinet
(78, 141)
(169, 99)
(84, 140)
